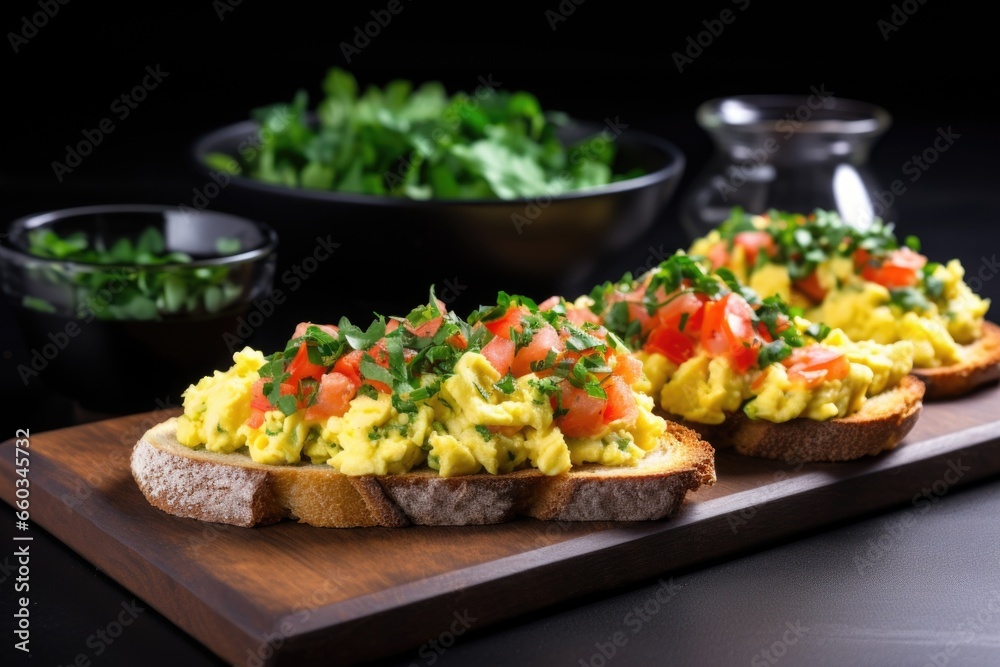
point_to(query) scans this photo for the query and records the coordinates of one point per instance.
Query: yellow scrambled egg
(469, 426)
(704, 389)
(864, 311)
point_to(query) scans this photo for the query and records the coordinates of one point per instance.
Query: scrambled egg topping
(704, 389)
(469, 426)
(863, 309)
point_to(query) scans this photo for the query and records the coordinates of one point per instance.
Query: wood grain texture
(337, 595)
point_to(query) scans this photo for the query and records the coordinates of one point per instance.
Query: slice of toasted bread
(980, 365)
(231, 488)
(880, 425)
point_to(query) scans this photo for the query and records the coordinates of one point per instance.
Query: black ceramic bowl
(391, 248)
(129, 336)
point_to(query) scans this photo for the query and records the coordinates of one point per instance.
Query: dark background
(604, 60)
(937, 70)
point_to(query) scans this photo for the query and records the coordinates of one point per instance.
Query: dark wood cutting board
(291, 594)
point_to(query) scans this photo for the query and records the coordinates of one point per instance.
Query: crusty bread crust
(880, 425)
(980, 364)
(231, 488)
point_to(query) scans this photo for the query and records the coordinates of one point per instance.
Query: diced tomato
(500, 353)
(256, 418)
(671, 343)
(550, 303)
(628, 368)
(637, 312)
(542, 342)
(686, 303)
(349, 365)
(752, 243)
(900, 268)
(718, 254)
(391, 325)
(813, 365)
(510, 320)
(260, 402)
(300, 328)
(301, 368)
(811, 287)
(621, 401)
(458, 341)
(584, 414)
(728, 330)
(428, 329)
(333, 398)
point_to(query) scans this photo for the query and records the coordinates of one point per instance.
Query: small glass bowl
(158, 306)
(793, 153)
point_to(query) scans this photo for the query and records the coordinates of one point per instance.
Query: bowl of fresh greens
(120, 306)
(435, 184)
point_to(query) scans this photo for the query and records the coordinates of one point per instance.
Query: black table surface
(924, 594)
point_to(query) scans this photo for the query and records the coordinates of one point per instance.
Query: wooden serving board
(291, 594)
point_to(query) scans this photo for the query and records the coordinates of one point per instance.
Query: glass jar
(791, 153)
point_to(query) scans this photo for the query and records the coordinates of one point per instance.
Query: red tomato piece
(300, 329)
(259, 401)
(718, 255)
(349, 365)
(671, 343)
(301, 368)
(813, 365)
(752, 243)
(621, 402)
(900, 268)
(628, 368)
(333, 398)
(542, 342)
(256, 418)
(584, 414)
(811, 288)
(428, 329)
(500, 353)
(728, 330)
(509, 320)
(686, 303)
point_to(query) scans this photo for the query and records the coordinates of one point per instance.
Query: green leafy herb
(421, 143)
(485, 433)
(134, 279)
(507, 384)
